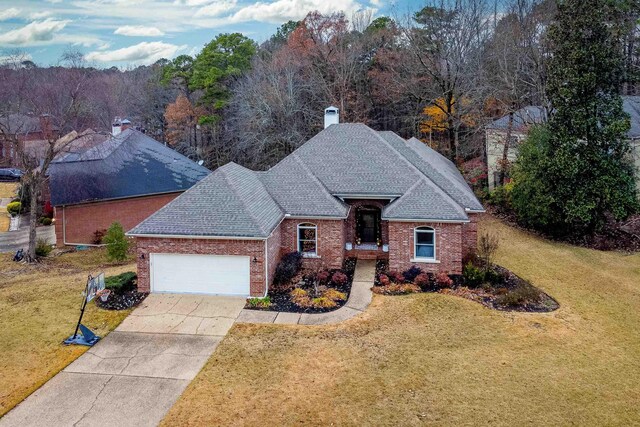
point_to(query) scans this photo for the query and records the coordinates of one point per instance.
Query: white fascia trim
(368, 196)
(475, 210)
(453, 221)
(182, 236)
(315, 217)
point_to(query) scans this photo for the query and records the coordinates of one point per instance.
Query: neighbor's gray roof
(230, 202)
(534, 115)
(342, 161)
(127, 165)
(522, 118)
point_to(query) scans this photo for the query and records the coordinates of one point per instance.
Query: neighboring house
(34, 132)
(496, 134)
(347, 192)
(102, 178)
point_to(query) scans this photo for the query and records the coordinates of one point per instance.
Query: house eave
(187, 236)
(343, 196)
(452, 221)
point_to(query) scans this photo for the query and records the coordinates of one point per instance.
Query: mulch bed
(615, 236)
(282, 301)
(489, 295)
(122, 302)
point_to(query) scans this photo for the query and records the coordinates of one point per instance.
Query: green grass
(431, 359)
(39, 306)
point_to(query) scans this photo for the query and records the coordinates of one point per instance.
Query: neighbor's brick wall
(330, 241)
(448, 247)
(83, 220)
(470, 234)
(251, 248)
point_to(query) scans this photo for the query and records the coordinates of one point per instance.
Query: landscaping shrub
(43, 248)
(473, 276)
(323, 302)
(339, 278)
(14, 208)
(46, 221)
(98, 236)
(384, 279)
(117, 243)
(334, 295)
(259, 302)
(500, 197)
(487, 248)
(322, 276)
(422, 280)
(395, 277)
(494, 277)
(519, 296)
(287, 268)
(443, 280)
(396, 289)
(411, 274)
(124, 282)
(300, 297)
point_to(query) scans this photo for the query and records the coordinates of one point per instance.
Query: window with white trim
(424, 243)
(308, 239)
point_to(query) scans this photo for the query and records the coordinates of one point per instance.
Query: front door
(368, 223)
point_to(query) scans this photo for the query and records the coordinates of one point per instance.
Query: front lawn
(8, 190)
(437, 359)
(39, 306)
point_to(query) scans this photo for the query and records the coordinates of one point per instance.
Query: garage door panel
(201, 274)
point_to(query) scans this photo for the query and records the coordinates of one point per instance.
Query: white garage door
(200, 274)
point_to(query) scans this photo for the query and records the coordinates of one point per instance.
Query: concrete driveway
(135, 374)
(11, 241)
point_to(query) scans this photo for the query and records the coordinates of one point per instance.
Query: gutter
(186, 236)
(452, 221)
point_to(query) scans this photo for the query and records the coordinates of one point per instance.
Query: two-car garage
(200, 274)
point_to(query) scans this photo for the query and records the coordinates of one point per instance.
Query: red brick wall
(330, 236)
(448, 247)
(82, 221)
(470, 234)
(251, 248)
(274, 243)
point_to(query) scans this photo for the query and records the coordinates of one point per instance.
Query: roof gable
(230, 202)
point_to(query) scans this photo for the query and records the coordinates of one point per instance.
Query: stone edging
(359, 299)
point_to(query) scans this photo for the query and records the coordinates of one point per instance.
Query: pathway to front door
(135, 374)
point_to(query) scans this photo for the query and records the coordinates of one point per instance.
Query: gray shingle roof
(128, 165)
(341, 161)
(425, 200)
(230, 202)
(299, 192)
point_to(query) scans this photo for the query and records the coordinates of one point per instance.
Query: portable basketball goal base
(86, 337)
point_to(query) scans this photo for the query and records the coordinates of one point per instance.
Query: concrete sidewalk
(359, 299)
(135, 374)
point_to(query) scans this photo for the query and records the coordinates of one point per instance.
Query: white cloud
(54, 1)
(218, 8)
(139, 31)
(192, 2)
(40, 15)
(285, 10)
(141, 53)
(36, 32)
(9, 13)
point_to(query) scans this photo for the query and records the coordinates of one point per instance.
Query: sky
(127, 33)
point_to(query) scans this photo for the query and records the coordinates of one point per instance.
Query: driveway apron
(135, 374)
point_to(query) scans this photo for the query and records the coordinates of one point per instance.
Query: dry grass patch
(39, 306)
(5, 221)
(443, 360)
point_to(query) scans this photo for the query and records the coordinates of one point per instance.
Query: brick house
(525, 118)
(105, 178)
(347, 192)
(31, 131)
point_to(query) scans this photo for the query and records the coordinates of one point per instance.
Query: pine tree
(581, 168)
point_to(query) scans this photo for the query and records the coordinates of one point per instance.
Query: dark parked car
(10, 174)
